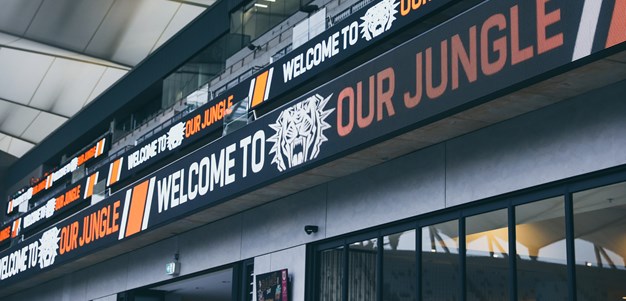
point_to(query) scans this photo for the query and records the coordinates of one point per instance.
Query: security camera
(310, 229)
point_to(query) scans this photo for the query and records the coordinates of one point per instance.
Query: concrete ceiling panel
(15, 15)
(184, 14)
(42, 126)
(66, 86)
(5, 110)
(20, 74)
(18, 119)
(68, 24)
(6, 39)
(131, 29)
(18, 147)
(110, 76)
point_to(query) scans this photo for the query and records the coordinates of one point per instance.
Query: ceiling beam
(194, 3)
(34, 108)
(18, 138)
(104, 62)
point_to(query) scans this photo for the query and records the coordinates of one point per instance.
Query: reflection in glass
(259, 16)
(541, 250)
(331, 274)
(440, 262)
(487, 243)
(399, 266)
(600, 243)
(362, 270)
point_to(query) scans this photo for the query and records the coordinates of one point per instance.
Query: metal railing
(348, 11)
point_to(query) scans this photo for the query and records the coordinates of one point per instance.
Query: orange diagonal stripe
(137, 206)
(617, 31)
(259, 88)
(114, 176)
(92, 183)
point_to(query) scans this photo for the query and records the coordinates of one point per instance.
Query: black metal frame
(565, 187)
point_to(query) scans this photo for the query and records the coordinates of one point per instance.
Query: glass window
(259, 16)
(440, 262)
(541, 250)
(199, 70)
(399, 267)
(487, 243)
(362, 270)
(600, 243)
(331, 274)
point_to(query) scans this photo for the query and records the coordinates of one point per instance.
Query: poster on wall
(273, 286)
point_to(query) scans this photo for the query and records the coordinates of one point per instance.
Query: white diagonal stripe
(587, 29)
(129, 193)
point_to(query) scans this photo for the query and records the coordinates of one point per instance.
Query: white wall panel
(570, 138)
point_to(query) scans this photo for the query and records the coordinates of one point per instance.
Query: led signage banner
(346, 38)
(54, 207)
(90, 154)
(463, 62)
(5, 236)
(204, 120)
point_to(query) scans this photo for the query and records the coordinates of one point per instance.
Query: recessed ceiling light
(260, 5)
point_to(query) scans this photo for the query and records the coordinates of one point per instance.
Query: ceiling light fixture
(260, 5)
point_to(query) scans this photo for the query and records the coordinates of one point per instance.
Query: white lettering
(163, 193)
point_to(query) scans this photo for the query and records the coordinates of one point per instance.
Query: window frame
(565, 187)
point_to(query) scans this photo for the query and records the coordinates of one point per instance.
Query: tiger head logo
(300, 132)
(378, 19)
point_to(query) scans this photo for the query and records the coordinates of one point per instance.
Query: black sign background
(402, 63)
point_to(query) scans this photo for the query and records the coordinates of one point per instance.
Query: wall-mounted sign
(172, 268)
(5, 236)
(206, 119)
(273, 286)
(90, 154)
(343, 40)
(54, 207)
(464, 62)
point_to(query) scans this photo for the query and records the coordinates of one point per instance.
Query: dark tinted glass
(362, 271)
(487, 242)
(331, 274)
(440, 262)
(541, 250)
(399, 267)
(600, 243)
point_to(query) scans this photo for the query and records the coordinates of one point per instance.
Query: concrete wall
(570, 138)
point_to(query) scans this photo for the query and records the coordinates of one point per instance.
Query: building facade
(371, 150)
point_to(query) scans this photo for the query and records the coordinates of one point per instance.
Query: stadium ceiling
(58, 55)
